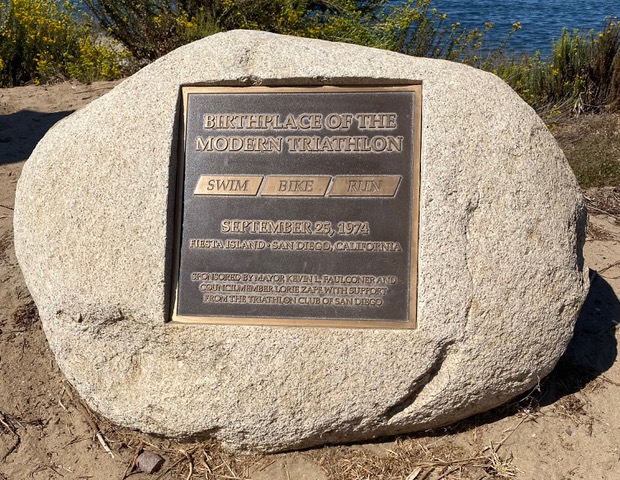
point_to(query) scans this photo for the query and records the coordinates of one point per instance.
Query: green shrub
(422, 31)
(582, 74)
(43, 40)
(152, 28)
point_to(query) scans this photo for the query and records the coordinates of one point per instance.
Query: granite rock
(501, 272)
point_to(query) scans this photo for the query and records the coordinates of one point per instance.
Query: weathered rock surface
(501, 272)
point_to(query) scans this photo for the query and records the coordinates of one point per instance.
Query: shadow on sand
(593, 349)
(591, 352)
(21, 131)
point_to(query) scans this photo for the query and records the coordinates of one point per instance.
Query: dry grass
(25, 316)
(434, 455)
(604, 201)
(592, 146)
(407, 458)
(453, 453)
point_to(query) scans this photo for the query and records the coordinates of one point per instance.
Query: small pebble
(149, 462)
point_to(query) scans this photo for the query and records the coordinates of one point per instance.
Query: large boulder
(501, 272)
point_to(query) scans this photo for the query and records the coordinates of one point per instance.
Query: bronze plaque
(298, 206)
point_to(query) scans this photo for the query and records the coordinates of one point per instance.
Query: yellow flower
(516, 25)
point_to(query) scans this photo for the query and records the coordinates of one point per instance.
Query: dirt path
(569, 428)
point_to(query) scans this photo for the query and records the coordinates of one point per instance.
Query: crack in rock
(420, 383)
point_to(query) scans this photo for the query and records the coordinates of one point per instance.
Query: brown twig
(104, 444)
(165, 472)
(615, 264)
(425, 474)
(131, 466)
(414, 474)
(91, 422)
(7, 207)
(229, 469)
(205, 462)
(605, 379)
(499, 445)
(592, 208)
(447, 463)
(54, 470)
(92, 90)
(3, 421)
(191, 463)
(75, 440)
(451, 470)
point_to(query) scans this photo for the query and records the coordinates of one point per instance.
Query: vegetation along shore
(44, 41)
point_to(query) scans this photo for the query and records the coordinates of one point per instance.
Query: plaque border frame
(411, 323)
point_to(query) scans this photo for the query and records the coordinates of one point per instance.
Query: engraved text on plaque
(299, 206)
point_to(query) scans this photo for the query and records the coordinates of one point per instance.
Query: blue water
(541, 20)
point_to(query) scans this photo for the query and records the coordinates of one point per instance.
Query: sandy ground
(568, 428)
